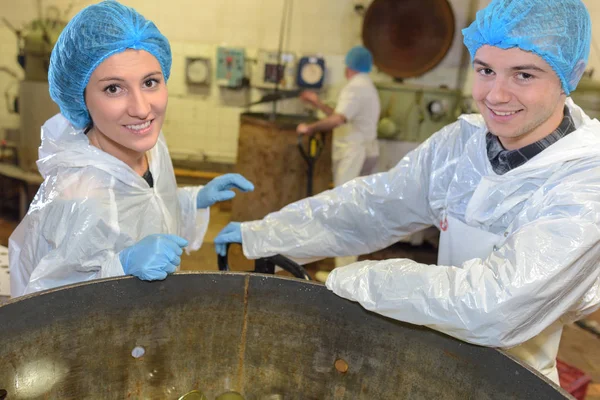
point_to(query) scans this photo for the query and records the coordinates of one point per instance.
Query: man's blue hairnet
(94, 34)
(359, 59)
(559, 31)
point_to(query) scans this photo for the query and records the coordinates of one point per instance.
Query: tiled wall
(204, 123)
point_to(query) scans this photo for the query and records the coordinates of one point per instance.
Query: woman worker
(109, 204)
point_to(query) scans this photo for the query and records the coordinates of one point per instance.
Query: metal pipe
(286, 14)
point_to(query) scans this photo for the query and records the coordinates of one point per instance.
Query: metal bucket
(263, 336)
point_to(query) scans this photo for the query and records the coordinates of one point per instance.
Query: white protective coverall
(519, 253)
(355, 142)
(90, 207)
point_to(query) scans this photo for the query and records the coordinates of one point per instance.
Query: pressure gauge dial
(312, 73)
(198, 71)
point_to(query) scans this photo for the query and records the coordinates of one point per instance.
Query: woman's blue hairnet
(94, 34)
(359, 59)
(559, 31)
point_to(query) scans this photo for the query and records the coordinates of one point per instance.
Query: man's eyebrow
(478, 61)
(530, 67)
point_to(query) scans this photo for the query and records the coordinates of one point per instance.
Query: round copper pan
(408, 37)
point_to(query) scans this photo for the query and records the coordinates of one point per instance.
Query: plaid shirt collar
(503, 160)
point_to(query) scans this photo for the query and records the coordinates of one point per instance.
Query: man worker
(515, 192)
(354, 124)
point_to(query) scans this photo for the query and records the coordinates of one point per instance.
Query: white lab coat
(528, 265)
(90, 207)
(356, 140)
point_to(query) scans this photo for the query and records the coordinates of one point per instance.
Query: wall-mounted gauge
(197, 71)
(311, 72)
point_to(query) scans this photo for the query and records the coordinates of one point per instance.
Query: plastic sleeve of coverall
(194, 222)
(544, 270)
(361, 216)
(82, 245)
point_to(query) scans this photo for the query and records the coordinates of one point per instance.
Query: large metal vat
(265, 336)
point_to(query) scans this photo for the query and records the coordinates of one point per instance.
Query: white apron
(460, 242)
(349, 160)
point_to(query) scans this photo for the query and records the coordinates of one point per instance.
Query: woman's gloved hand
(232, 233)
(219, 189)
(153, 257)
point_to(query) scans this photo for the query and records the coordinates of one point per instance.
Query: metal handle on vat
(267, 265)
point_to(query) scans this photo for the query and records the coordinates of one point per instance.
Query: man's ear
(577, 73)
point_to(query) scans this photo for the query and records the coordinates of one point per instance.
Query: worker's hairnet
(94, 34)
(559, 31)
(359, 59)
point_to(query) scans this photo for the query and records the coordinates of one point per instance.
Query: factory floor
(579, 347)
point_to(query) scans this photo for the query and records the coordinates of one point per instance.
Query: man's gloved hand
(232, 233)
(153, 257)
(219, 189)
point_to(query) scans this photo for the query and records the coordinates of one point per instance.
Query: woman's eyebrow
(119, 79)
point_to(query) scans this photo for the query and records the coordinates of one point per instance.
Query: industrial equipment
(197, 71)
(261, 336)
(311, 72)
(231, 67)
(408, 39)
(35, 41)
(275, 70)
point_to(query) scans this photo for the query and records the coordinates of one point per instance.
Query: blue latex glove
(232, 233)
(153, 257)
(219, 189)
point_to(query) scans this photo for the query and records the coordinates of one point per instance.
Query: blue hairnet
(94, 34)
(359, 59)
(559, 31)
